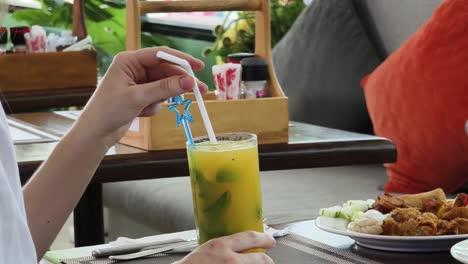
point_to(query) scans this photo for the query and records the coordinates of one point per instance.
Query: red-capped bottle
(237, 57)
(17, 38)
(3, 39)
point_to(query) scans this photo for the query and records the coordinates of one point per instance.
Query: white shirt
(16, 245)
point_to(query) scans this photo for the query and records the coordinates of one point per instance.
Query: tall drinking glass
(225, 185)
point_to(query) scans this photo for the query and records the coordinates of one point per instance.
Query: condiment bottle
(17, 38)
(3, 39)
(254, 77)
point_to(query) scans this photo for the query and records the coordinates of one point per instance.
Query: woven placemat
(290, 249)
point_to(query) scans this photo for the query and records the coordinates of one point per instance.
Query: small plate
(460, 251)
(396, 243)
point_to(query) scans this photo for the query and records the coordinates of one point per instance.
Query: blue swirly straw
(183, 118)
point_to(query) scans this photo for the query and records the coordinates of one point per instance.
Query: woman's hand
(134, 85)
(226, 250)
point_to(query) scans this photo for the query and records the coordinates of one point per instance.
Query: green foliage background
(283, 14)
(105, 22)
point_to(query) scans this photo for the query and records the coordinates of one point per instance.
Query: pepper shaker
(254, 77)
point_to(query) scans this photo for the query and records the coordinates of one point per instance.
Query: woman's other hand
(134, 85)
(226, 250)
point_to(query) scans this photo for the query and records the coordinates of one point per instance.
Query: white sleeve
(16, 245)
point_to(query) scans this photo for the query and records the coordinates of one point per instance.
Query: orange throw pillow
(418, 98)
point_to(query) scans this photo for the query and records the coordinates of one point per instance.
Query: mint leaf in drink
(214, 226)
(205, 188)
(210, 231)
(259, 212)
(198, 177)
(217, 209)
(227, 175)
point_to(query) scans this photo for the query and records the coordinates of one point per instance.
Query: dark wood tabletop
(40, 100)
(309, 146)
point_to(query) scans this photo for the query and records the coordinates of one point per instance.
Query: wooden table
(309, 146)
(40, 100)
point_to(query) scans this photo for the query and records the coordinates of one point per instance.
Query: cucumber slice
(360, 204)
(333, 211)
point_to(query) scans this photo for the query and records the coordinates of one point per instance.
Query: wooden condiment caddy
(266, 117)
(45, 71)
(52, 70)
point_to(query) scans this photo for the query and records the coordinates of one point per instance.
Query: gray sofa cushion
(320, 62)
(390, 23)
(164, 204)
(288, 196)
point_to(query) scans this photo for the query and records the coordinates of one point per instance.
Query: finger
(157, 91)
(164, 70)
(150, 110)
(254, 258)
(202, 86)
(147, 57)
(167, 70)
(247, 240)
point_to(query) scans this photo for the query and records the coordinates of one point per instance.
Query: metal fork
(149, 252)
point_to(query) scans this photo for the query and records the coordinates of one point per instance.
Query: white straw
(201, 105)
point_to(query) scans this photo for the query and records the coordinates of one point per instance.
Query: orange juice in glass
(225, 185)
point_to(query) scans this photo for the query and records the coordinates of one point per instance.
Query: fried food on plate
(446, 206)
(448, 220)
(461, 200)
(428, 201)
(386, 203)
(410, 222)
(432, 205)
(423, 214)
(446, 228)
(416, 200)
(461, 224)
(455, 212)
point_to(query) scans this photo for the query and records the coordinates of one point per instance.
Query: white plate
(396, 243)
(460, 251)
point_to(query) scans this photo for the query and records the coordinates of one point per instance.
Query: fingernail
(186, 83)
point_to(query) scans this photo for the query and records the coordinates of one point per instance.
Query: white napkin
(166, 238)
(185, 236)
(276, 233)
